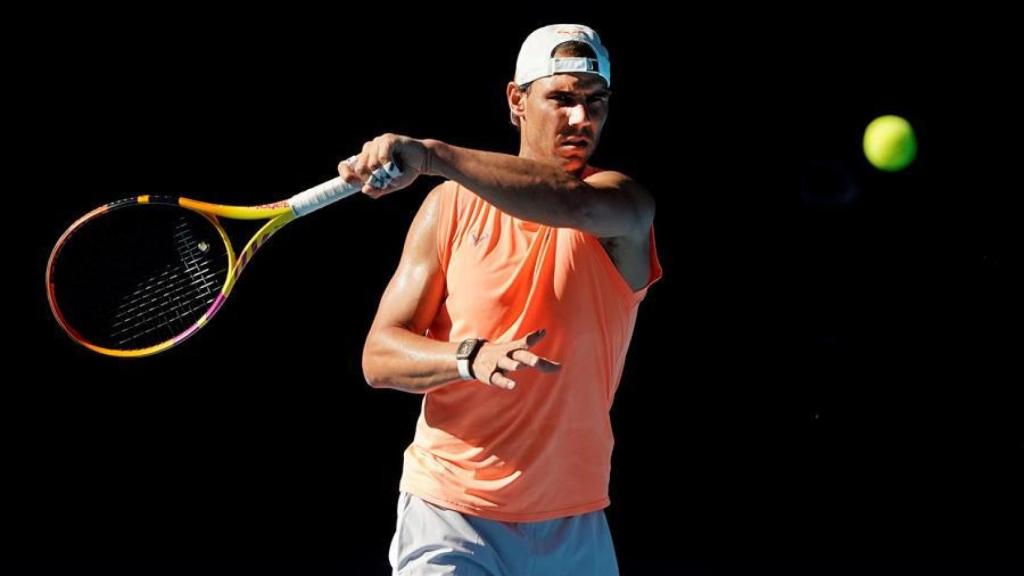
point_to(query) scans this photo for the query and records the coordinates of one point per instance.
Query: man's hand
(411, 155)
(494, 360)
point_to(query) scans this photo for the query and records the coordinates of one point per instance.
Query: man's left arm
(607, 204)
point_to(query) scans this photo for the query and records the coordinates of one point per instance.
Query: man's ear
(516, 103)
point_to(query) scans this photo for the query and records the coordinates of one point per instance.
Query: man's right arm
(397, 354)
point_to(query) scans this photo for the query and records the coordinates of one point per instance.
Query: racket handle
(335, 189)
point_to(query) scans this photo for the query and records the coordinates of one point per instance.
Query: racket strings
(176, 296)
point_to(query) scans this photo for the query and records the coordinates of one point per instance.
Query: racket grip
(335, 189)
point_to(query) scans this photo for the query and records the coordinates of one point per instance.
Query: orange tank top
(542, 450)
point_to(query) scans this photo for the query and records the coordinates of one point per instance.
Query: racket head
(138, 276)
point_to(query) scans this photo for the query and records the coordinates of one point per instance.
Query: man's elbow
(371, 373)
(370, 377)
(645, 213)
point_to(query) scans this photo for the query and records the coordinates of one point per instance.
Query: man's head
(559, 98)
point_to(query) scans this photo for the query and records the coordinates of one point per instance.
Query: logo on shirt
(478, 239)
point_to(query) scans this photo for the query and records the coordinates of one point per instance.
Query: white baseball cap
(536, 61)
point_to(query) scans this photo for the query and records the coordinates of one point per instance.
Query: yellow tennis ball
(889, 143)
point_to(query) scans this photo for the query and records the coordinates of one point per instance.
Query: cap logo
(570, 30)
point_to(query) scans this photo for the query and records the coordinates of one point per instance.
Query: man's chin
(573, 161)
(573, 164)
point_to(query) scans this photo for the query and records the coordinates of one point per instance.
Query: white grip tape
(335, 189)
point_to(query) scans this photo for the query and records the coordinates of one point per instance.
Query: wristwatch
(465, 355)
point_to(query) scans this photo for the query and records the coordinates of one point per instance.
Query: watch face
(466, 347)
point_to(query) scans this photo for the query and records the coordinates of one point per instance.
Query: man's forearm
(397, 358)
(527, 189)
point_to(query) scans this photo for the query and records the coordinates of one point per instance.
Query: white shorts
(432, 540)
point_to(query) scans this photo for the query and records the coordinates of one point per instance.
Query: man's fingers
(525, 356)
(508, 364)
(348, 174)
(384, 155)
(371, 168)
(362, 160)
(530, 359)
(501, 381)
(372, 192)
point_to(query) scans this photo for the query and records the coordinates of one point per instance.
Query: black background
(814, 385)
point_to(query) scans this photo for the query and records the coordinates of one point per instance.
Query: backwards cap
(536, 60)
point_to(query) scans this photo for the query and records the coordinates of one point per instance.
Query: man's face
(563, 117)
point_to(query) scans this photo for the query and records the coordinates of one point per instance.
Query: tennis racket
(141, 275)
